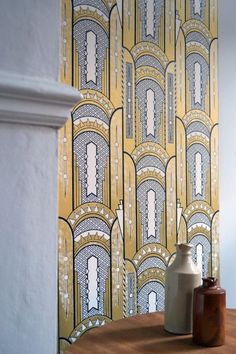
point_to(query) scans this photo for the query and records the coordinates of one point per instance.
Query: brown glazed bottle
(209, 314)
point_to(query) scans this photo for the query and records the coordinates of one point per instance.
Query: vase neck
(184, 249)
(182, 257)
(183, 253)
(210, 282)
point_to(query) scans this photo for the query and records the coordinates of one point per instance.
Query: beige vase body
(182, 276)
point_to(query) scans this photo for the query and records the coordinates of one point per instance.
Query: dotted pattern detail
(170, 107)
(129, 101)
(151, 262)
(131, 298)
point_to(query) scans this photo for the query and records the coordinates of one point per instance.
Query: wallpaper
(138, 166)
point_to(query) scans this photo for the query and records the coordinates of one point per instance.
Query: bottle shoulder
(186, 268)
(210, 291)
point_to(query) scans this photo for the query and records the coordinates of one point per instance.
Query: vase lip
(184, 247)
(209, 282)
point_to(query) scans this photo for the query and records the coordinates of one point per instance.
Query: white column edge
(37, 101)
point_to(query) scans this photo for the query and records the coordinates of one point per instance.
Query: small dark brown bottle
(209, 314)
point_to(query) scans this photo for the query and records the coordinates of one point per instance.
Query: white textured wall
(28, 262)
(29, 37)
(227, 101)
(29, 45)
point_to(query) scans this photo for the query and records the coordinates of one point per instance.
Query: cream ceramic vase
(182, 276)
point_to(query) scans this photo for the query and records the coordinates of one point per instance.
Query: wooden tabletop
(144, 334)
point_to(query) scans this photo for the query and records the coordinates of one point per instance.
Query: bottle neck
(183, 257)
(210, 283)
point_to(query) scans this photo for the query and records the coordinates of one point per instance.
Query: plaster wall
(227, 106)
(29, 41)
(28, 260)
(29, 45)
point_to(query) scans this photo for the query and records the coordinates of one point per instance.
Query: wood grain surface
(145, 334)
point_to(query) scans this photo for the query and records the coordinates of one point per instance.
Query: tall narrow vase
(182, 276)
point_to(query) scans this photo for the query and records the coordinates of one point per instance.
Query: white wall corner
(37, 101)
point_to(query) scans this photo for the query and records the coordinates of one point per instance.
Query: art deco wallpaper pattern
(138, 167)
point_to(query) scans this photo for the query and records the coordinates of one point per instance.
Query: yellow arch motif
(197, 26)
(148, 72)
(198, 138)
(151, 250)
(85, 14)
(150, 174)
(148, 48)
(151, 274)
(97, 99)
(88, 210)
(91, 240)
(197, 115)
(86, 325)
(88, 126)
(198, 206)
(150, 148)
(199, 231)
(199, 49)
